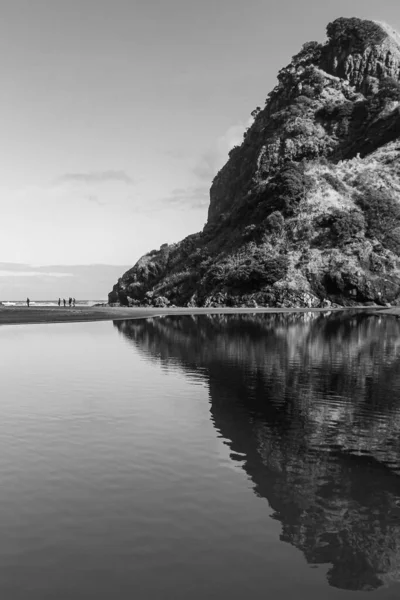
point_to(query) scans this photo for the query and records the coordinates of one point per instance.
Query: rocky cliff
(306, 212)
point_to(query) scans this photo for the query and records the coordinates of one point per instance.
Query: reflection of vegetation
(313, 404)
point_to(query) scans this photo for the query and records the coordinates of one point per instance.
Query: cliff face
(307, 210)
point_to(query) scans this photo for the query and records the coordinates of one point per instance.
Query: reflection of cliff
(313, 404)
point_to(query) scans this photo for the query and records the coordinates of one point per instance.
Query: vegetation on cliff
(306, 211)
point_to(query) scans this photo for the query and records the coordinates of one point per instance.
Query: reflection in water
(310, 407)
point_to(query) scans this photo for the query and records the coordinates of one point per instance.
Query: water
(201, 457)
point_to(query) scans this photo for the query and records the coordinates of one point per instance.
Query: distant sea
(50, 302)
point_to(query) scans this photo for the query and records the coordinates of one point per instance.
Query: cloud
(177, 154)
(25, 270)
(34, 274)
(187, 198)
(46, 282)
(94, 199)
(96, 177)
(8, 266)
(217, 155)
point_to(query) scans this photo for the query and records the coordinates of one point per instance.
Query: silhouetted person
(73, 302)
(27, 301)
(59, 302)
(64, 302)
(69, 302)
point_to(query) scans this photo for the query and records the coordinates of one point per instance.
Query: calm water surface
(201, 457)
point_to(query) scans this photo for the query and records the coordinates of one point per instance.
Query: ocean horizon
(50, 302)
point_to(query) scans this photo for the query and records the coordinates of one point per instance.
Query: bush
(382, 215)
(291, 184)
(343, 128)
(389, 89)
(255, 273)
(250, 231)
(284, 192)
(161, 301)
(344, 225)
(335, 182)
(357, 33)
(292, 111)
(347, 225)
(334, 111)
(299, 127)
(275, 222)
(315, 79)
(205, 265)
(307, 90)
(310, 47)
(233, 150)
(255, 112)
(376, 264)
(309, 53)
(304, 100)
(344, 110)
(301, 231)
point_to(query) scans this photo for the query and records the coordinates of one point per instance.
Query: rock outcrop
(306, 212)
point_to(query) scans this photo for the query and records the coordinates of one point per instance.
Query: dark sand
(20, 315)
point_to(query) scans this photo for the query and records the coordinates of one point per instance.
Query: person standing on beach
(69, 302)
(64, 302)
(73, 302)
(59, 302)
(27, 301)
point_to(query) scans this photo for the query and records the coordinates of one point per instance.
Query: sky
(83, 282)
(115, 115)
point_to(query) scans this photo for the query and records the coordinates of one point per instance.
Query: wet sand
(20, 315)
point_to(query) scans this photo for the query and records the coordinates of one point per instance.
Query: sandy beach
(21, 315)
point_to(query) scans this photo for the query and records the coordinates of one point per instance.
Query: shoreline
(21, 315)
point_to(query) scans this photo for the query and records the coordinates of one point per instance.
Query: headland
(306, 209)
